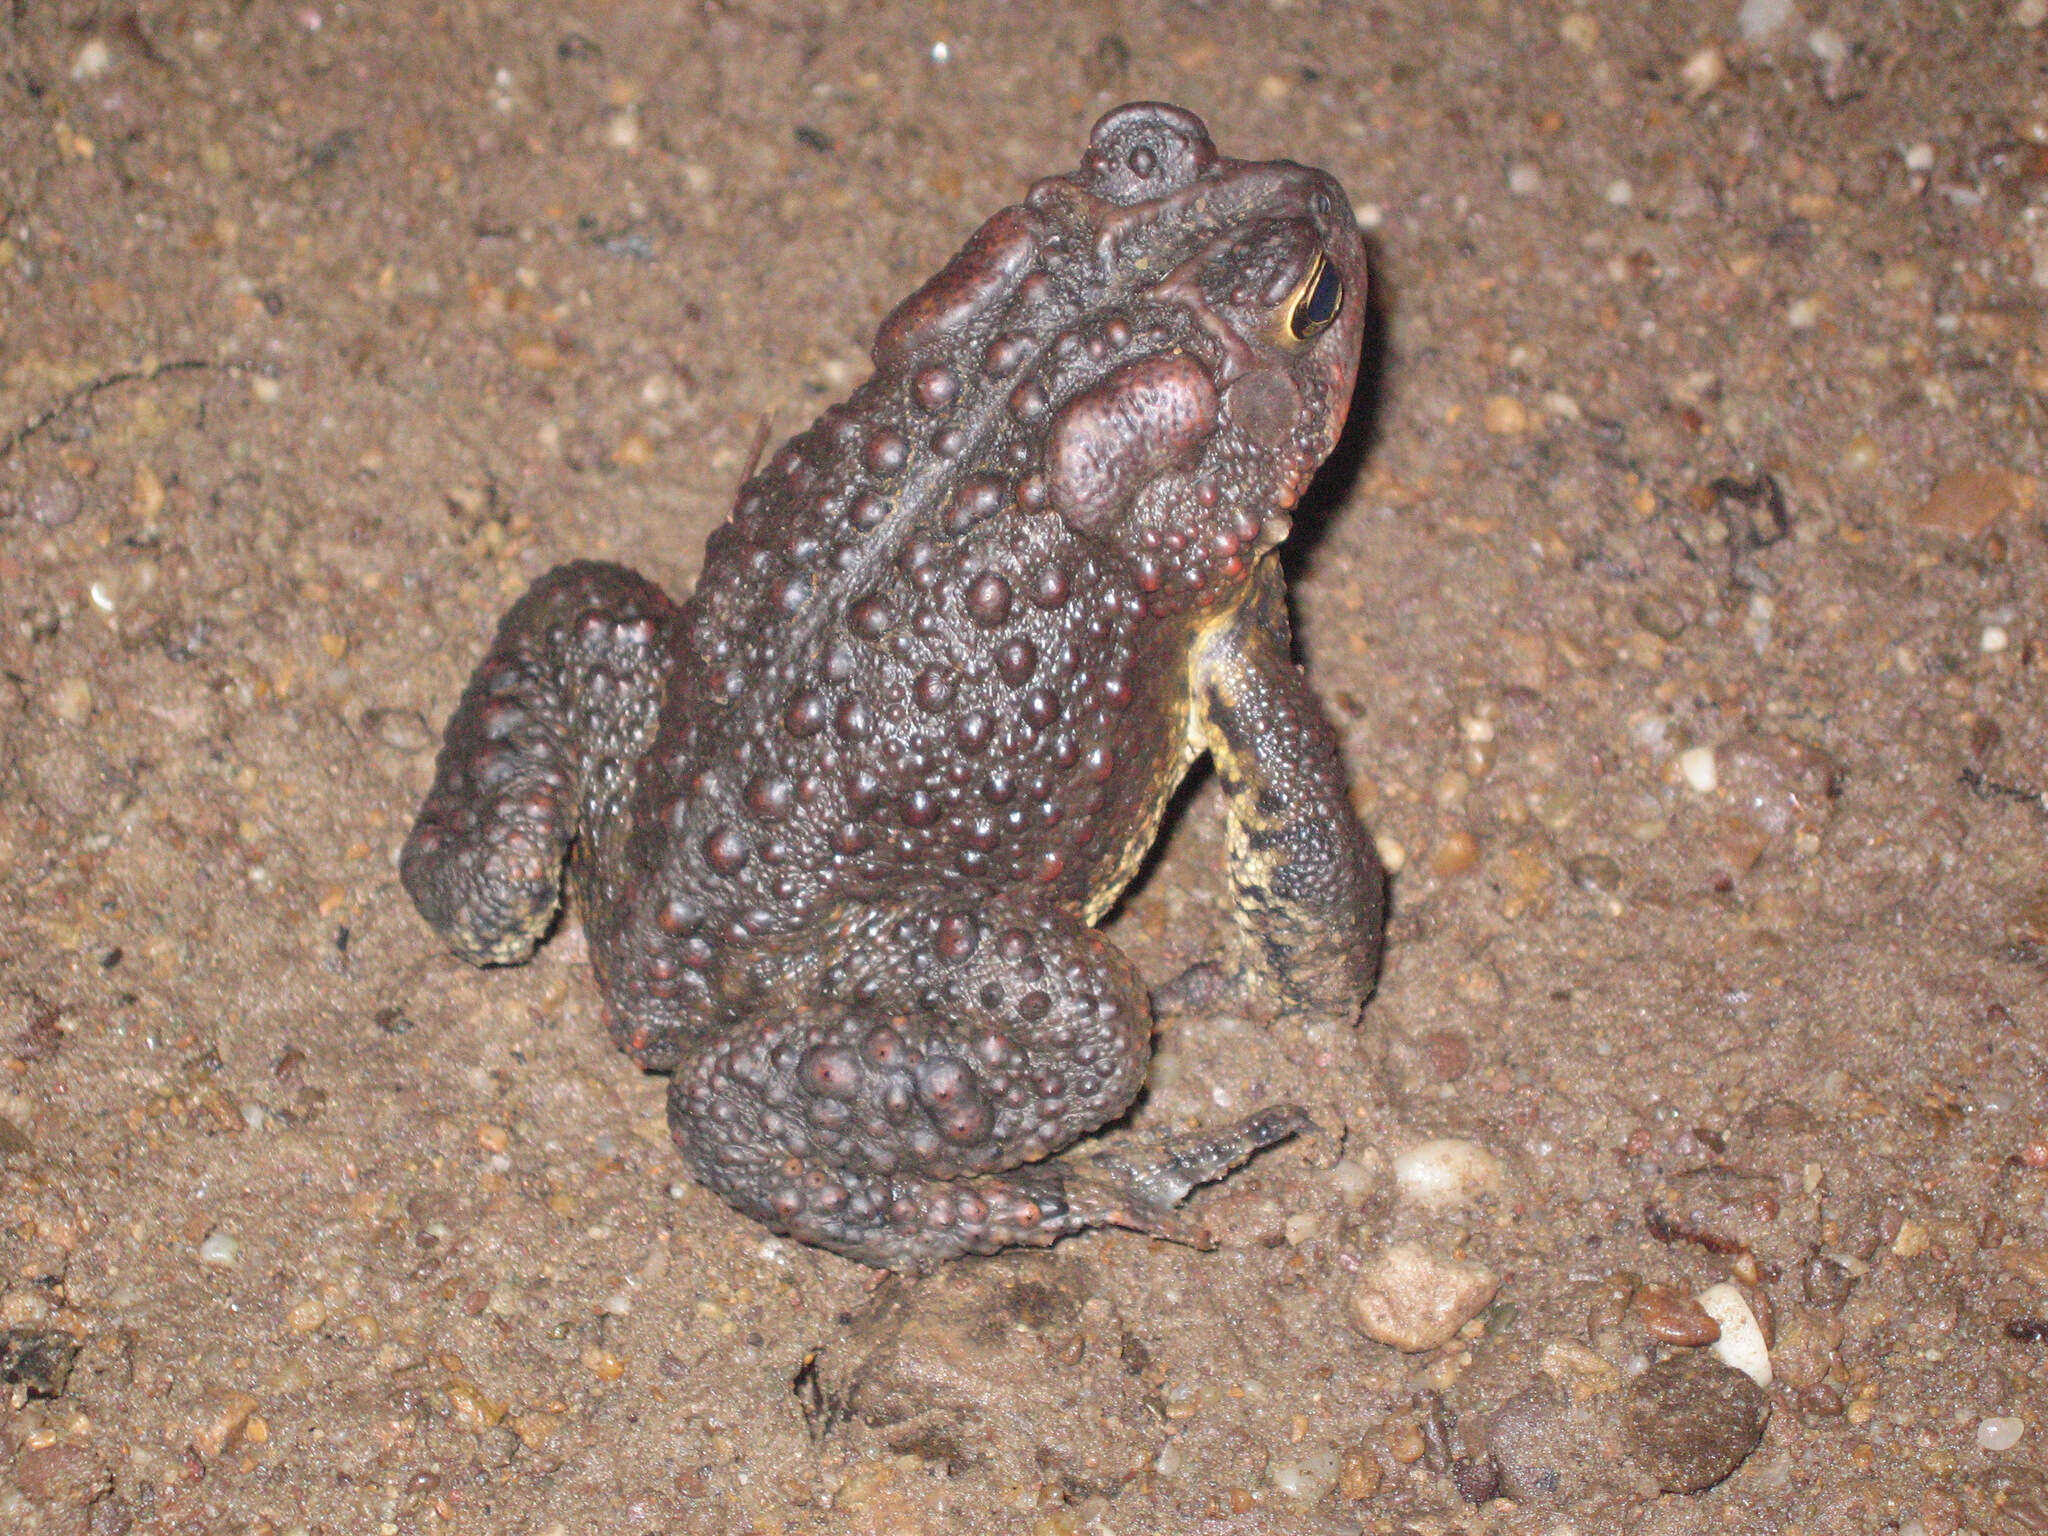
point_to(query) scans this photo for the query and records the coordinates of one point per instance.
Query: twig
(92, 387)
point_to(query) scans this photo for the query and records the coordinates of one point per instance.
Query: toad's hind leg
(537, 751)
(888, 1109)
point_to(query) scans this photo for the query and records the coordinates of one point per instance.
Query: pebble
(65, 1475)
(1413, 1299)
(1504, 416)
(1703, 70)
(402, 730)
(1692, 1420)
(2000, 1433)
(14, 1141)
(1306, 1473)
(221, 1419)
(71, 701)
(1667, 1313)
(221, 1248)
(37, 1359)
(1699, 769)
(1781, 785)
(1741, 1344)
(1595, 872)
(1358, 1474)
(1446, 1174)
(1966, 502)
(1544, 1446)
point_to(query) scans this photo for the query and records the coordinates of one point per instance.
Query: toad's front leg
(897, 1107)
(1308, 887)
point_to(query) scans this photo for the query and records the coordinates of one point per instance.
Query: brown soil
(1706, 409)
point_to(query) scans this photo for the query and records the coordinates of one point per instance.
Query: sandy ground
(1679, 595)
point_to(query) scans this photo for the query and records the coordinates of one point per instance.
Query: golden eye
(1317, 301)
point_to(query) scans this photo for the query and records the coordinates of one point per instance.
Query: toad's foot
(1139, 1186)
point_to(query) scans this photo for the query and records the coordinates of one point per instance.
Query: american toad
(841, 823)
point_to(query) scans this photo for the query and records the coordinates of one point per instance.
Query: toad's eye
(1317, 301)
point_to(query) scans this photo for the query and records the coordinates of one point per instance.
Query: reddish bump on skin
(1145, 419)
(988, 599)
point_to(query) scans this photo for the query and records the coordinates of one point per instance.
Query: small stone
(2000, 1433)
(221, 1248)
(38, 1359)
(1455, 855)
(1413, 1299)
(220, 1419)
(1826, 1282)
(1358, 1474)
(1504, 416)
(71, 701)
(1405, 1441)
(1692, 1420)
(1670, 1315)
(1595, 872)
(53, 502)
(70, 1476)
(1697, 766)
(1805, 1347)
(1741, 1343)
(1304, 1474)
(1544, 1445)
(1966, 502)
(1446, 1174)
(1703, 70)
(402, 730)
(1780, 785)
(92, 60)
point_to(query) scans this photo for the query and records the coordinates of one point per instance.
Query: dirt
(1678, 592)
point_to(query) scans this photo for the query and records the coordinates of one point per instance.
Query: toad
(841, 824)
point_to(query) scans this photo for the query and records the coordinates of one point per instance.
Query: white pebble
(1999, 1434)
(2030, 13)
(622, 130)
(1919, 158)
(1758, 19)
(1993, 640)
(1620, 192)
(1524, 179)
(1305, 1473)
(1741, 1345)
(221, 1248)
(1707, 68)
(1701, 772)
(1446, 1173)
(1802, 314)
(1827, 45)
(91, 61)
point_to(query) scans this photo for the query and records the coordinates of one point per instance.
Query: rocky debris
(1446, 1174)
(1739, 1338)
(1691, 1421)
(38, 1359)
(1414, 1299)
(932, 1370)
(66, 1476)
(1543, 1445)
(1966, 502)
(1669, 1315)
